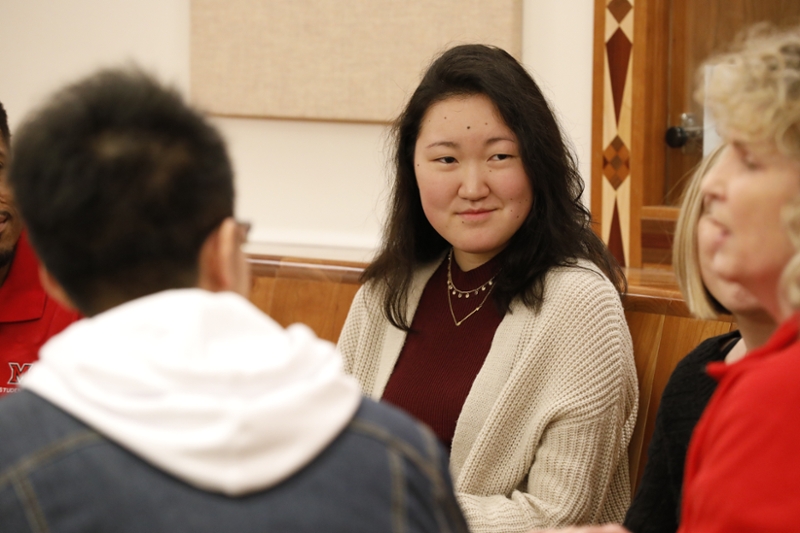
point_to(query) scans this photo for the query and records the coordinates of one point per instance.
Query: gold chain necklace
(452, 290)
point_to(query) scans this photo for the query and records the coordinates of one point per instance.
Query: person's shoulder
(386, 418)
(581, 289)
(394, 429)
(581, 277)
(772, 379)
(29, 423)
(756, 399)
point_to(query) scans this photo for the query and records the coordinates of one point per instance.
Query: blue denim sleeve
(13, 518)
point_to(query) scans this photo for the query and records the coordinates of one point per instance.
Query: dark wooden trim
(649, 290)
(597, 113)
(312, 269)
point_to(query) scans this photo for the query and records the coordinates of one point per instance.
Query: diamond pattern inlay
(616, 162)
(619, 9)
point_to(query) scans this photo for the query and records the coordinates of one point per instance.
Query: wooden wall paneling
(699, 31)
(261, 293)
(678, 163)
(671, 39)
(658, 231)
(646, 331)
(262, 289)
(650, 79)
(598, 64)
(305, 301)
(315, 293)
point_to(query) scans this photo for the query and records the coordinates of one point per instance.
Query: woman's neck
(756, 328)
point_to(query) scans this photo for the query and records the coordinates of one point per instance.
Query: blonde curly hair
(754, 90)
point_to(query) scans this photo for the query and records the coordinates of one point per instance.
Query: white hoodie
(201, 385)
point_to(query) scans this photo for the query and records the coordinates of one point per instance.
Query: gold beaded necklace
(452, 290)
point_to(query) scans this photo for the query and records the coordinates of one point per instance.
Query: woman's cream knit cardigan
(543, 435)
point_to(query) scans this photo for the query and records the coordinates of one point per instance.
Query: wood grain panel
(700, 30)
(598, 81)
(650, 78)
(317, 293)
(646, 331)
(261, 292)
(314, 303)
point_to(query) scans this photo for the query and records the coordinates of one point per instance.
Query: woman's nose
(473, 183)
(713, 183)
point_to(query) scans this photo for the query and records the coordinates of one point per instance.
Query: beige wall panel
(355, 60)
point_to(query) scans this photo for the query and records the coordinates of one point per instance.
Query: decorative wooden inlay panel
(615, 168)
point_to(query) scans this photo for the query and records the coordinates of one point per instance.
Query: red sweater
(28, 317)
(743, 466)
(439, 361)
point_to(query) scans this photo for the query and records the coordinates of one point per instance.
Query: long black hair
(557, 230)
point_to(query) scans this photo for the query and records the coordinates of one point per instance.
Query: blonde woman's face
(744, 239)
(733, 296)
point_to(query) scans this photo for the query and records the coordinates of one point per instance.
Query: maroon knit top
(439, 361)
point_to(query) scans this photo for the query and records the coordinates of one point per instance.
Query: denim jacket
(384, 472)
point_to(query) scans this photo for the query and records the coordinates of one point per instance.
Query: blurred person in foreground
(28, 316)
(176, 405)
(742, 466)
(656, 505)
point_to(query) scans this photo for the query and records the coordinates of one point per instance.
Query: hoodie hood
(201, 385)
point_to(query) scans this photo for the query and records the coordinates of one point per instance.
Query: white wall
(310, 188)
(557, 49)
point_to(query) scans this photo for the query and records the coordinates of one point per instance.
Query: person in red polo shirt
(28, 316)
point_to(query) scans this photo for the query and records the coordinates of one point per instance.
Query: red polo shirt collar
(21, 295)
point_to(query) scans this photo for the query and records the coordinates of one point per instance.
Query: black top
(656, 505)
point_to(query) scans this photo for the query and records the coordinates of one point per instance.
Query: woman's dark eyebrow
(447, 144)
(451, 144)
(499, 139)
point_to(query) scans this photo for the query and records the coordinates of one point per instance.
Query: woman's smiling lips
(475, 215)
